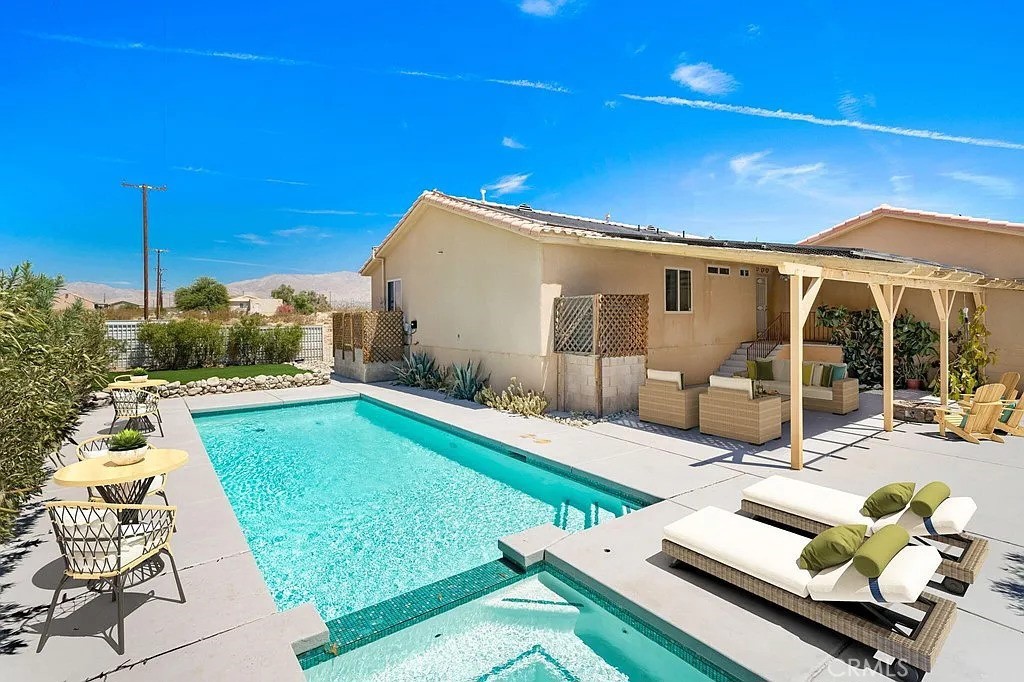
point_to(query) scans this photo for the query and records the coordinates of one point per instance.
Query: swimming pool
(541, 628)
(349, 503)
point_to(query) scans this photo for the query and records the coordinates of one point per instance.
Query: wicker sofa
(664, 400)
(730, 409)
(842, 397)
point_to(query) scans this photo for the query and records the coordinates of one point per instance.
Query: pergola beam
(943, 308)
(887, 300)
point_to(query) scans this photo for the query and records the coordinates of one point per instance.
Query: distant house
(254, 304)
(65, 299)
(117, 305)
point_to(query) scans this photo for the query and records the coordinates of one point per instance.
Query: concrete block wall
(365, 372)
(621, 379)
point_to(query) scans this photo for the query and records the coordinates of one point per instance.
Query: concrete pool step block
(527, 547)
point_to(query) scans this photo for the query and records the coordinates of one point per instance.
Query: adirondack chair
(1009, 380)
(977, 420)
(1013, 410)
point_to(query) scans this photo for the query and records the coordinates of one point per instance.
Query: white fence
(136, 354)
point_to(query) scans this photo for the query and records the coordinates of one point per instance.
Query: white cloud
(755, 168)
(901, 184)
(286, 182)
(509, 184)
(512, 143)
(223, 261)
(428, 74)
(536, 85)
(251, 238)
(611, 103)
(828, 122)
(303, 231)
(992, 184)
(325, 211)
(754, 29)
(542, 8)
(704, 78)
(851, 105)
(196, 169)
(145, 47)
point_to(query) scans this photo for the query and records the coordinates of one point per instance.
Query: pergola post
(887, 300)
(800, 304)
(943, 302)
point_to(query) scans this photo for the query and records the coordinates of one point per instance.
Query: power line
(159, 282)
(145, 189)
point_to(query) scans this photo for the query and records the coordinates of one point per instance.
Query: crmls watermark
(861, 669)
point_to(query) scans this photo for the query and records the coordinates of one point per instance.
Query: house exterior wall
(697, 342)
(995, 253)
(474, 292)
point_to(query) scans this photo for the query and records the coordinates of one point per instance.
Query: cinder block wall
(621, 379)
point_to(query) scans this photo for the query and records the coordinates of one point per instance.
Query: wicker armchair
(134, 405)
(97, 447)
(97, 545)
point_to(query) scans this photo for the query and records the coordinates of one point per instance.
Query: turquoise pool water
(347, 503)
(539, 629)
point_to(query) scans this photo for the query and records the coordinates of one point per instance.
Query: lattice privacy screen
(379, 333)
(620, 321)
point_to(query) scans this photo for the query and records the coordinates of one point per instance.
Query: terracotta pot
(915, 384)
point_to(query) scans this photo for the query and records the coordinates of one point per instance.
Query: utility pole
(159, 282)
(145, 189)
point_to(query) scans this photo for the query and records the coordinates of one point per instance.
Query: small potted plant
(127, 447)
(139, 375)
(917, 374)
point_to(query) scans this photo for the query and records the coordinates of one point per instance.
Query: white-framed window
(719, 270)
(678, 290)
(744, 272)
(393, 296)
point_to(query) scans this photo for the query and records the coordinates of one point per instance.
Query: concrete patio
(229, 628)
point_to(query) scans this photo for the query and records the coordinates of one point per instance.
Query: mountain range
(343, 288)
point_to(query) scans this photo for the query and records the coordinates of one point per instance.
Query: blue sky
(292, 135)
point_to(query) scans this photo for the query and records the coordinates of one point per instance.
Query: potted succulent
(127, 447)
(139, 375)
(917, 374)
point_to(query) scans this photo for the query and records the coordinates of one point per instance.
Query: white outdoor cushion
(103, 561)
(950, 517)
(666, 375)
(808, 500)
(733, 383)
(901, 582)
(819, 392)
(780, 370)
(79, 522)
(760, 550)
(816, 370)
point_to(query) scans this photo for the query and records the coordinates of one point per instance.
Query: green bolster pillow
(928, 498)
(832, 547)
(888, 499)
(874, 555)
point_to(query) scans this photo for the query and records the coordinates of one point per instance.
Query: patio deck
(229, 626)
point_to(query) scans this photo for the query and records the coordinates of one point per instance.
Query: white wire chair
(98, 543)
(98, 446)
(134, 405)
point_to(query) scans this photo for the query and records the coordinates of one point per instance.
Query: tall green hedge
(183, 344)
(49, 362)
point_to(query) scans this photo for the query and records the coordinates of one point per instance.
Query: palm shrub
(969, 354)
(464, 382)
(49, 363)
(514, 399)
(421, 371)
(281, 343)
(245, 340)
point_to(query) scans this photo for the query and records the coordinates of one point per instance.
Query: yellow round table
(120, 484)
(148, 383)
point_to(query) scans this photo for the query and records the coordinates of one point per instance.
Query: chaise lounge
(762, 560)
(813, 508)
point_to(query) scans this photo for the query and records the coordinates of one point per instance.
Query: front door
(762, 304)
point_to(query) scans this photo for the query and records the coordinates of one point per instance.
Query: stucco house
(65, 299)
(247, 304)
(478, 280)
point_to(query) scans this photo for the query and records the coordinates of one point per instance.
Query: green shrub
(420, 370)
(969, 354)
(183, 344)
(128, 439)
(49, 362)
(464, 381)
(281, 343)
(245, 340)
(514, 399)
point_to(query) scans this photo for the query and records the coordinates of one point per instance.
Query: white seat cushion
(950, 518)
(105, 560)
(818, 392)
(156, 484)
(760, 550)
(666, 375)
(810, 501)
(87, 522)
(780, 370)
(733, 384)
(901, 582)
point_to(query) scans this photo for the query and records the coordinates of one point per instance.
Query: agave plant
(464, 381)
(421, 371)
(129, 439)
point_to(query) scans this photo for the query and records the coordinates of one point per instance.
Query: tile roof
(885, 210)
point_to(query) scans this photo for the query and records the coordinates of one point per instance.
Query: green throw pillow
(807, 369)
(764, 370)
(1008, 412)
(826, 376)
(751, 370)
(832, 547)
(888, 499)
(929, 498)
(874, 555)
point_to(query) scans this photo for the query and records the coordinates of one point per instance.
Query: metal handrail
(774, 335)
